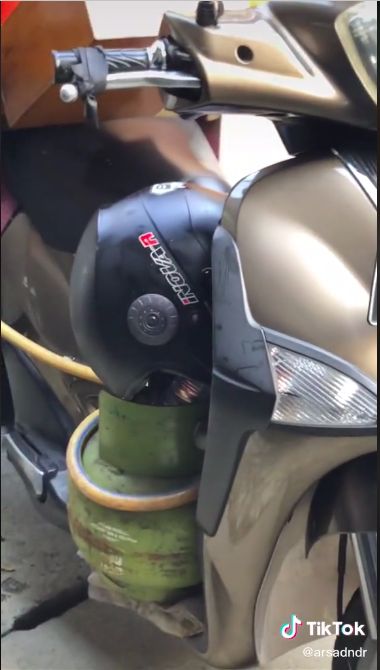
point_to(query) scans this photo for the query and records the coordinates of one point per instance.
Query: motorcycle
(227, 467)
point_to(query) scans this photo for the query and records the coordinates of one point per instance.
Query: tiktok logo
(290, 630)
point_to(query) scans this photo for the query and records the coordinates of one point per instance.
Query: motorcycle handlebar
(118, 60)
(162, 64)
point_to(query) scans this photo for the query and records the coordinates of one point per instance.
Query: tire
(355, 612)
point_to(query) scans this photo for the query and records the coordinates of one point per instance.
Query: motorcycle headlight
(357, 31)
(312, 394)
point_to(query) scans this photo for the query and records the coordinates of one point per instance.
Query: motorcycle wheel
(355, 612)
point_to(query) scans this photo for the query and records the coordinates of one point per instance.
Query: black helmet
(140, 285)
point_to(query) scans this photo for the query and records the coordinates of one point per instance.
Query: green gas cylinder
(149, 440)
(137, 452)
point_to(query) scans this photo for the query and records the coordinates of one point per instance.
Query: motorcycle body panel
(305, 234)
(281, 59)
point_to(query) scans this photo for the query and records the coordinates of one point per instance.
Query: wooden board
(29, 97)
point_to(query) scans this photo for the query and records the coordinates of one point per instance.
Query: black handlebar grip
(118, 60)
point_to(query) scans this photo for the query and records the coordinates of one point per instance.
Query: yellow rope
(39, 353)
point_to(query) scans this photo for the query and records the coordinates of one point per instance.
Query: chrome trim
(23, 458)
(121, 81)
(365, 182)
(158, 48)
(372, 313)
(68, 93)
(125, 80)
(363, 172)
(59, 484)
(365, 551)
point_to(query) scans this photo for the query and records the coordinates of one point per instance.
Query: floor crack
(51, 608)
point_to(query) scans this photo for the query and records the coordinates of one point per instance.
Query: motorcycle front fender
(256, 572)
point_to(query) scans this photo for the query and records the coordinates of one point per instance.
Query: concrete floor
(40, 570)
